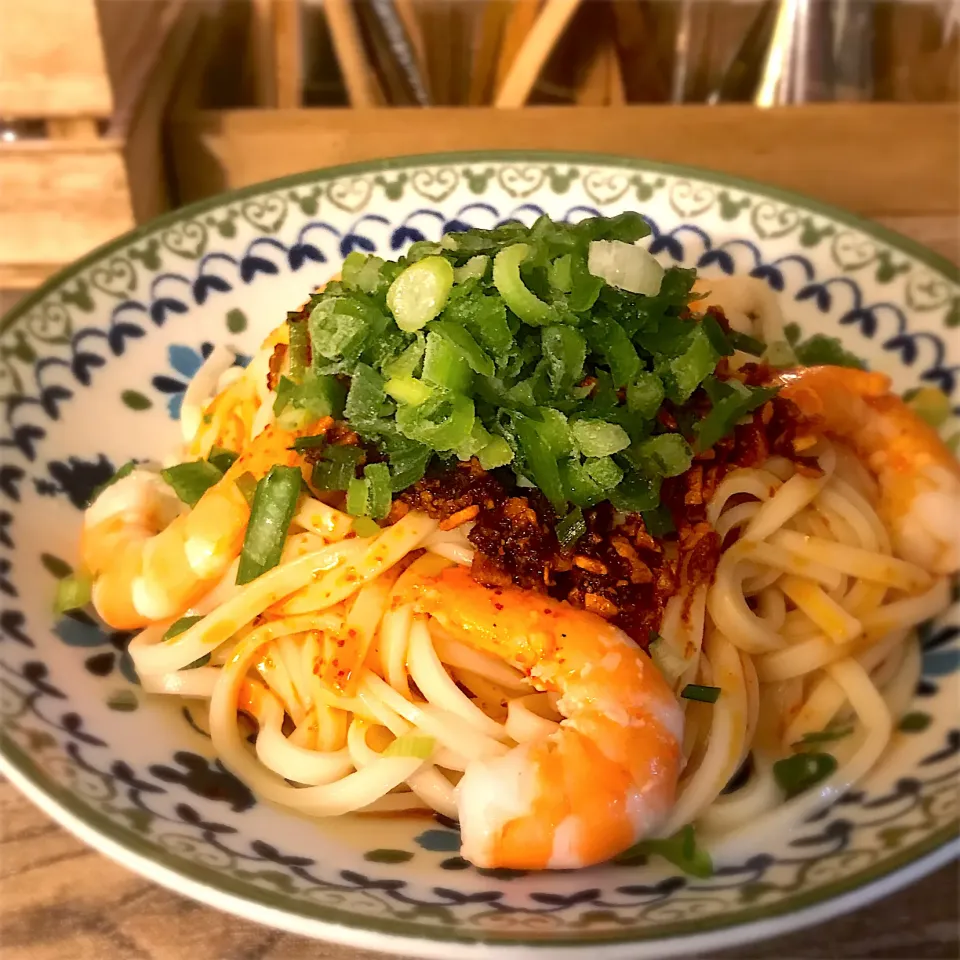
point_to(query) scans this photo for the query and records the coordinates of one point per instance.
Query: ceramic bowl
(92, 372)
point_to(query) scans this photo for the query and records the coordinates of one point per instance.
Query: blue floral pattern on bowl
(92, 373)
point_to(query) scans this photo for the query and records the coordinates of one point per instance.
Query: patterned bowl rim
(209, 886)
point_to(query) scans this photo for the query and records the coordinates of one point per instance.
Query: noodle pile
(326, 691)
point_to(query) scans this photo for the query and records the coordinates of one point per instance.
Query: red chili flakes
(275, 365)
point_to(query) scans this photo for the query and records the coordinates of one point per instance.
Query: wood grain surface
(60, 900)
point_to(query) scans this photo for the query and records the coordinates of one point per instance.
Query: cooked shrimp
(749, 305)
(918, 477)
(144, 566)
(607, 776)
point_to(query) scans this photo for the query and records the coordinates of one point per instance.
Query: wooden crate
(95, 78)
(829, 150)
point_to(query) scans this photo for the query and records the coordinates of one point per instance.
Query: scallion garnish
(365, 527)
(222, 459)
(190, 481)
(379, 497)
(802, 771)
(681, 850)
(274, 504)
(72, 593)
(121, 472)
(822, 736)
(247, 485)
(337, 468)
(297, 349)
(180, 626)
(745, 343)
(358, 497)
(700, 693)
(539, 365)
(310, 443)
(571, 528)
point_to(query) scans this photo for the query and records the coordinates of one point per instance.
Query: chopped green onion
(365, 527)
(728, 412)
(365, 399)
(621, 355)
(645, 395)
(121, 472)
(358, 497)
(747, 344)
(408, 461)
(597, 438)
(700, 693)
(822, 736)
(666, 659)
(556, 432)
(682, 374)
(779, 355)
(420, 292)
(565, 350)
(247, 485)
(411, 745)
(658, 521)
(506, 278)
(445, 363)
(802, 771)
(637, 494)
(604, 472)
(571, 528)
(461, 339)
(408, 362)
(310, 443)
(930, 404)
(443, 421)
(222, 459)
(297, 350)
(473, 269)
(72, 593)
(408, 390)
(190, 481)
(379, 493)
(718, 339)
(497, 453)
(665, 455)
(820, 350)
(541, 462)
(914, 722)
(337, 468)
(579, 487)
(681, 850)
(180, 626)
(274, 504)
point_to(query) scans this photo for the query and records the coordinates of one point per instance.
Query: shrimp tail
(917, 475)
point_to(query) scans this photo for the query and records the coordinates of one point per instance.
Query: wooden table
(60, 900)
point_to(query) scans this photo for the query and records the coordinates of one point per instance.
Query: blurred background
(113, 110)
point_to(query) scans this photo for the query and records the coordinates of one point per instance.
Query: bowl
(93, 368)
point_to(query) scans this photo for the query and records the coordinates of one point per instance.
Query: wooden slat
(143, 139)
(262, 52)
(72, 128)
(847, 155)
(288, 53)
(46, 72)
(57, 201)
(357, 75)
